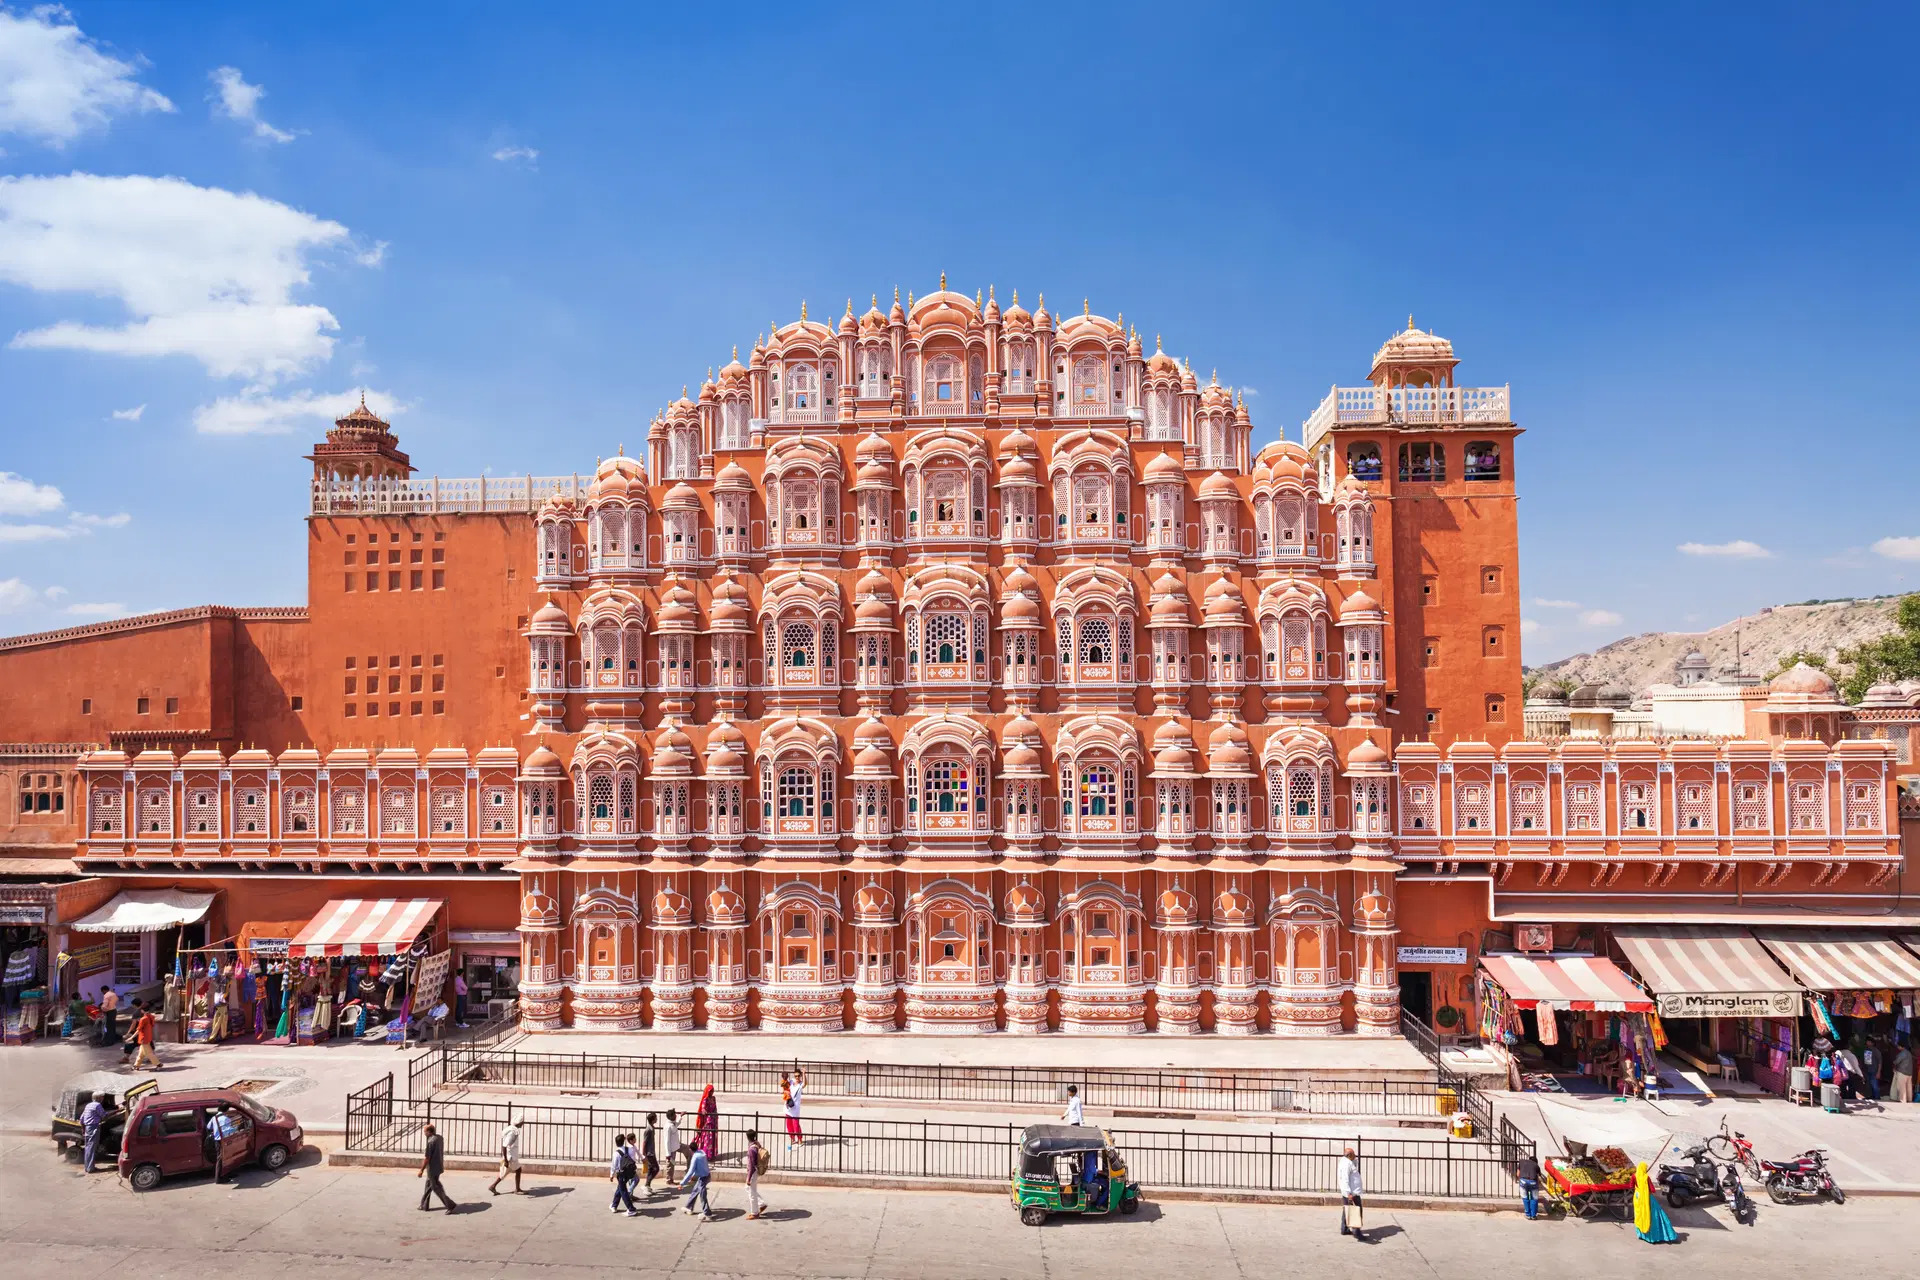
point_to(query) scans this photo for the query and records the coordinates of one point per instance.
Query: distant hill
(1823, 626)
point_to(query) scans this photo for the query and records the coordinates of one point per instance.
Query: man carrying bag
(1352, 1217)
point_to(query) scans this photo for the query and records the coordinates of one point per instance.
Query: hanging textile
(21, 967)
(1549, 1024)
(1659, 1032)
(1821, 1018)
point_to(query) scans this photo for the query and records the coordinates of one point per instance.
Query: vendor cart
(1589, 1186)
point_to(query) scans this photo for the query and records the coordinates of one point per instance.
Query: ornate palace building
(947, 667)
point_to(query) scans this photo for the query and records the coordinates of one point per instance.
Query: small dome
(1232, 907)
(733, 477)
(541, 761)
(1160, 362)
(617, 477)
(1176, 907)
(1018, 579)
(1173, 760)
(1165, 469)
(671, 907)
(1413, 346)
(1262, 475)
(1019, 728)
(1018, 469)
(1019, 608)
(1227, 750)
(1359, 603)
(874, 448)
(1017, 316)
(871, 761)
(1169, 605)
(1802, 679)
(1017, 442)
(682, 497)
(558, 506)
(1224, 603)
(1884, 695)
(677, 608)
(873, 612)
(725, 908)
(1022, 759)
(550, 619)
(1367, 752)
(1026, 905)
(872, 906)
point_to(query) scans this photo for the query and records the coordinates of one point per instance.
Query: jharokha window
(1423, 463)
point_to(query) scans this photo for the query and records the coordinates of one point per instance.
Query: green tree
(1888, 659)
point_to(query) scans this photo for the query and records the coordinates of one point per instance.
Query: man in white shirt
(1352, 1219)
(1076, 1112)
(509, 1156)
(671, 1137)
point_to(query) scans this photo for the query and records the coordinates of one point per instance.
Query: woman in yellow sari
(1649, 1216)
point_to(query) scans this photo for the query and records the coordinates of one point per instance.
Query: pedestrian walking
(699, 1173)
(433, 1163)
(671, 1137)
(1649, 1219)
(1870, 1064)
(1903, 1073)
(791, 1088)
(621, 1173)
(509, 1156)
(1076, 1112)
(756, 1165)
(143, 1055)
(650, 1151)
(109, 1016)
(1528, 1175)
(93, 1117)
(1353, 1220)
(706, 1125)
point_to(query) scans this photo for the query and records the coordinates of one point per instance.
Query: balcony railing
(1407, 406)
(435, 494)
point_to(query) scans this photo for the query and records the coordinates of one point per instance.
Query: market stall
(144, 929)
(1860, 983)
(361, 963)
(1572, 1023)
(1720, 997)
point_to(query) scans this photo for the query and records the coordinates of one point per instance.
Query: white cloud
(100, 610)
(34, 532)
(1898, 548)
(372, 257)
(1738, 549)
(16, 595)
(202, 272)
(256, 413)
(20, 496)
(129, 415)
(238, 100)
(1556, 604)
(115, 521)
(1528, 626)
(506, 154)
(1601, 618)
(56, 84)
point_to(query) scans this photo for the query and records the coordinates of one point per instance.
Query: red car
(167, 1134)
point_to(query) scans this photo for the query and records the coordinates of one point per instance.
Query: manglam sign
(1729, 1004)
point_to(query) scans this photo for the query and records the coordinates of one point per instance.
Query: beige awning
(145, 911)
(1708, 971)
(1841, 960)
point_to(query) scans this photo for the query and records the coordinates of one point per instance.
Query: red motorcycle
(1805, 1177)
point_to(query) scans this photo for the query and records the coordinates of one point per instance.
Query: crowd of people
(643, 1158)
(1865, 1069)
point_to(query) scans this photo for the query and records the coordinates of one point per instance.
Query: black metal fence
(1427, 1167)
(1239, 1092)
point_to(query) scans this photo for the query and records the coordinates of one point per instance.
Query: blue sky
(1688, 242)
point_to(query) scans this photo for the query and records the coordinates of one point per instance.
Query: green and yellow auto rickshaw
(1070, 1168)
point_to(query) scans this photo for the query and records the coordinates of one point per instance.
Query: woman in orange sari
(706, 1127)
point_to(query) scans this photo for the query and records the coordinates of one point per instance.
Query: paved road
(320, 1223)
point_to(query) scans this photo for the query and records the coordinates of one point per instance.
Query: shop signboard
(1433, 955)
(95, 957)
(1729, 1004)
(22, 913)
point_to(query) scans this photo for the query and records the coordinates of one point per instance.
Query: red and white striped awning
(365, 927)
(1843, 960)
(1567, 982)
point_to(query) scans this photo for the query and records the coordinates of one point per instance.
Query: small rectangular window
(140, 706)
(352, 538)
(373, 582)
(393, 708)
(1430, 652)
(393, 582)
(413, 708)
(1492, 579)
(298, 703)
(86, 706)
(352, 711)
(351, 557)
(439, 579)
(1496, 709)
(439, 707)
(1429, 591)
(439, 555)
(173, 706)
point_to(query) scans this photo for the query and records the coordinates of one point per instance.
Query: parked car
(166, 1135)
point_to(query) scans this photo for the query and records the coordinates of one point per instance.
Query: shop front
(489, 962)
(1569, 1023)
(1722, 1001)
(360, 967)
(1860, 983)
(139, 934)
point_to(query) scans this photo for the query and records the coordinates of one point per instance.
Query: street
(320, 1222)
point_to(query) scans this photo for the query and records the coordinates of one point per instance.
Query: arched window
(1423, 463)
(1089, 389)
(803, 394)
(797, 792)
(682, 451)
(1096, 640)
(1020, 367)
(943, 385)
(796, 645)
(1482, 461)
(733, 424)
(1363, 460)
(1160, 420)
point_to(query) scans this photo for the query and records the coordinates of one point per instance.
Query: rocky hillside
(1767, 636)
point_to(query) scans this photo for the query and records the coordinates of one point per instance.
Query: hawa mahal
(948, 667)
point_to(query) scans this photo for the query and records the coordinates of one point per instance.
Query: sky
(1684, 235)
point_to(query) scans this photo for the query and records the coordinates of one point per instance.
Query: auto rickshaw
(77, 1093)
(1070, 1168)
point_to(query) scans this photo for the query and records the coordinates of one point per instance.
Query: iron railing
(1250, 1162)
(1146, 1090)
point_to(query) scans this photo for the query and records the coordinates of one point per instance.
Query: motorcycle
(1701, 1179)
(1803, 1178)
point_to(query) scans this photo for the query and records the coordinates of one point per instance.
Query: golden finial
(849, 307)
(1120, 318)
(803, 310)
(683, 391)
(1043, 301)
(976, 299)
(623, 450)
(876, 302)
(990, 292)
(709, 373)
(1016, 297)
(909, 299)
(736, 352)
(1156, 344)
(1409, 322)
(943, 280)
(1086, 306)
(1216, 378)
(896, 293)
